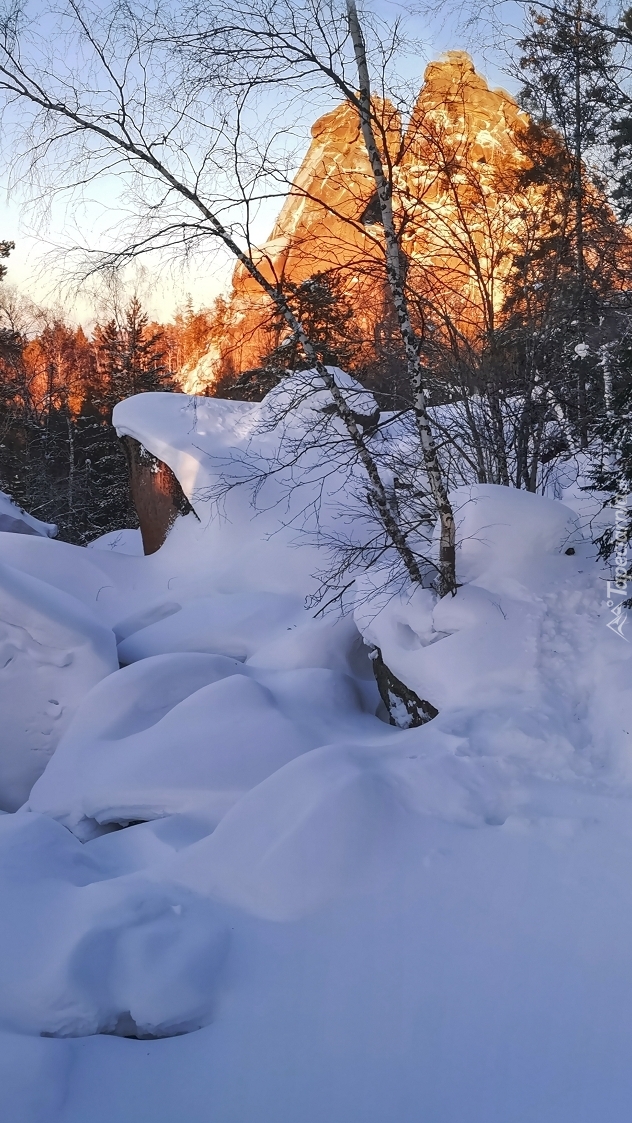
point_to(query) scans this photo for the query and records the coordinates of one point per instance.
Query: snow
(121, 541)
(238, 732)
(16, 521)
(52, 651)
(236, 893)
(511, 551)
(230, 623)
(213, 445)
(96, 954)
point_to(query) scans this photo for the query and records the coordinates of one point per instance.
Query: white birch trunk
(447, 577)
(605, 363)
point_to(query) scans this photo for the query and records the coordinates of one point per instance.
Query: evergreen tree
(60, 457)
(9, 339)
(188, 337)
(321, 305)
(129, 359)
(569, 73)
(621, 126)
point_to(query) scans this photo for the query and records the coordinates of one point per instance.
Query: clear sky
(35, 269)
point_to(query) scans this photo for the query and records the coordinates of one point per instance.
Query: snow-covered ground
(236, 894)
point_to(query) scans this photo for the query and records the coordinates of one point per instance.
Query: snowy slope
(52, 651)
(236, 894)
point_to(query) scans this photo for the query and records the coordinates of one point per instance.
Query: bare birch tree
(117, 110)
(396, 282)
(299, 41)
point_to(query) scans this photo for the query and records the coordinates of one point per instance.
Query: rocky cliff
(461, 205)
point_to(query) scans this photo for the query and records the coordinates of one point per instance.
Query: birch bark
(438, 489)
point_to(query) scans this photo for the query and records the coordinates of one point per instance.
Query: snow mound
(52, 651)
(231, 624)
(108, 583)
(304, 395)
(520, 660)
(187, 733)
(506, 532)
(85, 954)
(119, 541)
(16, 521)
(329, 822)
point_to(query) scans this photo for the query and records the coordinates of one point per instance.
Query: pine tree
(569, 71)
(129, 360)
(620, 138)
(568, 61)
(60, 457)
(321, 305)
(131, 357)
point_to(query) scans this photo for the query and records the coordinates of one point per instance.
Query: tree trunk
(438, 489)
(582, 405)
(71, 471)
(606, 366)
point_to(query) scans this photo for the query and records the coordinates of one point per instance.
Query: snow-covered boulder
(16, 521)
(482, 644)
(251, 511)
(188, 733)
(52, 651)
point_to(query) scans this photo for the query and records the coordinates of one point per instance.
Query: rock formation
(319, 229)
(457, 187)
(156, 494)
(458, 197)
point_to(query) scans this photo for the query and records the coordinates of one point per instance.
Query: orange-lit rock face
(156, 495)
(458, 190)
(318, 229)
(462, 213)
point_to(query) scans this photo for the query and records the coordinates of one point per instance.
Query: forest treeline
(60, 457)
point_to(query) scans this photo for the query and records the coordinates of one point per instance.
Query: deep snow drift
(236, 894)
